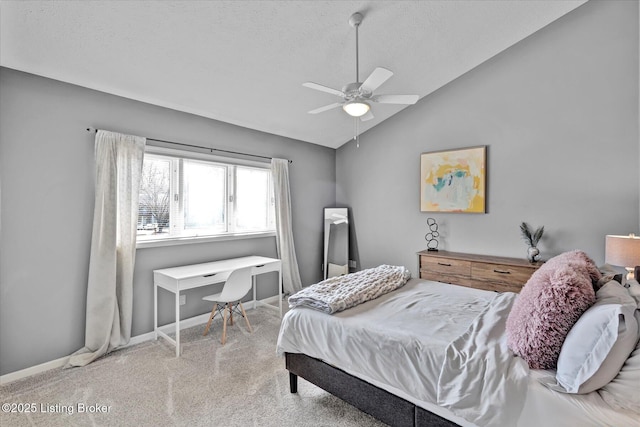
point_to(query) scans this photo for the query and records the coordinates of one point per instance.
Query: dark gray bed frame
(379, 403)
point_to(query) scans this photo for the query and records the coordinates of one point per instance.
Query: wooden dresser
(492, 273)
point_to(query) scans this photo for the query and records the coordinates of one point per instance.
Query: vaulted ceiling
(244, 62)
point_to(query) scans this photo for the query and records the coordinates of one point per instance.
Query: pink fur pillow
(549, 305)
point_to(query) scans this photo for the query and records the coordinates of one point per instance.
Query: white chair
(235, 288)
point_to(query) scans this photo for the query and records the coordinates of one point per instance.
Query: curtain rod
(91, 129)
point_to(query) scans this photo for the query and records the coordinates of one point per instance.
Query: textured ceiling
(244, 62)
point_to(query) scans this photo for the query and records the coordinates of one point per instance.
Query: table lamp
(623, 251)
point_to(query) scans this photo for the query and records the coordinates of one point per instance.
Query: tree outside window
(155, 190)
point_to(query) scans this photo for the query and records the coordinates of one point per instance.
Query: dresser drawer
(454, 267)
(503, 287)
(492, 273)
(500, 273)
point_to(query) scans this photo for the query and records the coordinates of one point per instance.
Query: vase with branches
(532, 239)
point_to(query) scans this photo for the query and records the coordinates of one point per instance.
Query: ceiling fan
(357, 96)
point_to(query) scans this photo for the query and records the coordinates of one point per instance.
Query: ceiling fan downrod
(355, 20)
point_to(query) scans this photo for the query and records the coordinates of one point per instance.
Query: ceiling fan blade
(325, 108)
(395, 99)
(321, 88)
(367, 116)
(375, 80)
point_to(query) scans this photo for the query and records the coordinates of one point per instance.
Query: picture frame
(454, 180)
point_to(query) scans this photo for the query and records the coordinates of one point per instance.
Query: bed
(389, 356)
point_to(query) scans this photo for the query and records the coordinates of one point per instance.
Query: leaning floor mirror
(336, 242)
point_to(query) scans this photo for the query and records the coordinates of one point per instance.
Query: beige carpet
(242, 383)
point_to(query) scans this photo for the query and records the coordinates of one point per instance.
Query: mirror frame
(335, 217)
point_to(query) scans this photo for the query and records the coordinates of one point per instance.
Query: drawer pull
(209, 275)
(501, 271)
(445, 264)
(261, 265)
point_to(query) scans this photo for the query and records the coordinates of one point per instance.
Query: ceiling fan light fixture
(356, 108)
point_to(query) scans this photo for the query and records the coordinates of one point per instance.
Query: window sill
(169, 241)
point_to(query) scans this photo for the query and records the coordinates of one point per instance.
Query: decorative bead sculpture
(432, 236)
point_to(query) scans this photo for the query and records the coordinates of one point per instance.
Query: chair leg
(246, 319)
(213, 314)
(231, 313)
(224, 325)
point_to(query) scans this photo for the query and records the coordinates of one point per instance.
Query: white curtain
(118, 163)
(291, 282)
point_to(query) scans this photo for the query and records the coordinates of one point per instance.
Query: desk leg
(253, 281)
(177, 323)
(280, 291)
(155, 311)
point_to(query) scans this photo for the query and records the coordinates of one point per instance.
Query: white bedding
(400, 347)
(400, 343)
(481, 379)
(545, 407)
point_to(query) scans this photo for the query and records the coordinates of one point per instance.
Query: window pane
(252, 199)
(153, 213)
(186, 197)
(204, 196)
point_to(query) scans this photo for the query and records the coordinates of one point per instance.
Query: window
(187, 195)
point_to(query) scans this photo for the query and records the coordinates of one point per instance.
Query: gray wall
(46, 171)
(559, 115)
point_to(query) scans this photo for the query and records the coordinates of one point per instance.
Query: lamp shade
(623, 251)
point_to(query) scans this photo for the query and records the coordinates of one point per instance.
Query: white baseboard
(24, 373)
(138, 339)
(269, 301)
(169, 327)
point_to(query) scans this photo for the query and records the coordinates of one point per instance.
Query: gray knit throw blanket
(342, 292)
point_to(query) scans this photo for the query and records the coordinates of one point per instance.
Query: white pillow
(622, 392)
(599, 343)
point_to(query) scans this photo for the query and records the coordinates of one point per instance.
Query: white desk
(179, 279)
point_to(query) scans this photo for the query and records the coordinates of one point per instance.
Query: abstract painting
(453, 180)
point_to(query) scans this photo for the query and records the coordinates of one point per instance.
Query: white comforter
(399, 342)
(481, 380)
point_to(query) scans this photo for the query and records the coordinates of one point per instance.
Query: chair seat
(214, 298)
